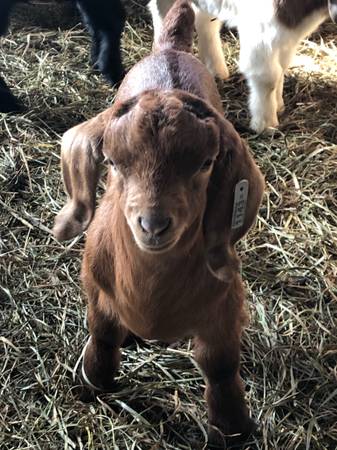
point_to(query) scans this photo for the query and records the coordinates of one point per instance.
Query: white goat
(269, 31)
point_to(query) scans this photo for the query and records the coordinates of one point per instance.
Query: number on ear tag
(240, 203)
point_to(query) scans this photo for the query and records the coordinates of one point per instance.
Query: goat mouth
(156, 248)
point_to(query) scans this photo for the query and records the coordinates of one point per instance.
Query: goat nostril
(164, 225)
(154, 224)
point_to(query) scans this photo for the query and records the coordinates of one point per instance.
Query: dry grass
(289, 267)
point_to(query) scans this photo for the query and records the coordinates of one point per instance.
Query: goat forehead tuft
(157, 109)
(159, 129)
(198, 108)
(170, 111)
(154, 99)
(124, 108)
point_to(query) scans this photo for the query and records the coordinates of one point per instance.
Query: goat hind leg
(109, 61)
(87, 21)
(105, 21)
(109, 26)
(286, 56)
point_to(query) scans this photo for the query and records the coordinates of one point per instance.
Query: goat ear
(332, 4)
(233, 199)
(81, 153)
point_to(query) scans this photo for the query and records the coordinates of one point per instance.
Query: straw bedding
(289, 264)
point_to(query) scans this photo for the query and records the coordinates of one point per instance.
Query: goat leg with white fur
(269, 32)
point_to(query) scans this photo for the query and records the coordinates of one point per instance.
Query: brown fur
(166, 122)
(291, 13)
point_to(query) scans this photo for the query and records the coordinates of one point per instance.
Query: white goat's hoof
(260, 125)
(220, 72)
(217, 68)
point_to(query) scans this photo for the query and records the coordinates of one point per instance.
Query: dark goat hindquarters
(105, 21)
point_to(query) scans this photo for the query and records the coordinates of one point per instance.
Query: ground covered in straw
(289, 265)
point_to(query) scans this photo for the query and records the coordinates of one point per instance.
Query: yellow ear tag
(240, 203)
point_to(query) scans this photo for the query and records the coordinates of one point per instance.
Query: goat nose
(154, 224)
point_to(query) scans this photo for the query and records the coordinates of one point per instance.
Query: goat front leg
(101, 356)
(261, 67)
(210, 44)
(263, 102)
(217, 351)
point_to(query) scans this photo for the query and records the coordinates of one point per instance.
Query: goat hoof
(116, 79)
(97, 373)
(221, 73)
(221, 438)
(261, 125)
(96, 386)
(114, 76)
(85, 394)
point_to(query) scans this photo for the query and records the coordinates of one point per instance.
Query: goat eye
(206, 165)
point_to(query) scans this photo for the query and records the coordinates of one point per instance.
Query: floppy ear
(81, 153)
(332, 4)
(234, 195)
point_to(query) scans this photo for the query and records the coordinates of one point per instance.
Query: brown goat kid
(159, 259)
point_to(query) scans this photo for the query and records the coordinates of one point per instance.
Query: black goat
(105, 21)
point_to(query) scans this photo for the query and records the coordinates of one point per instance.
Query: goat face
(175, 164)
(162, 150)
